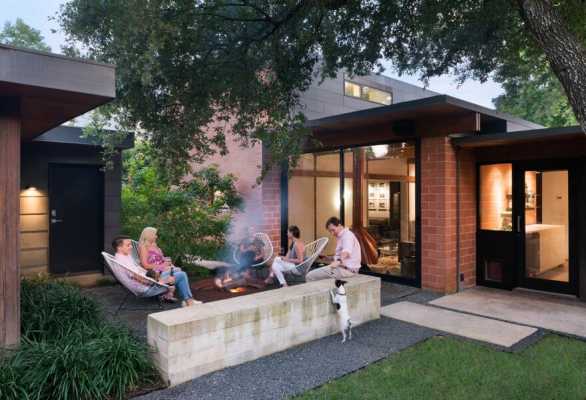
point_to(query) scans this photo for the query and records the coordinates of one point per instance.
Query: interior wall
(301, 206)
(495, 195)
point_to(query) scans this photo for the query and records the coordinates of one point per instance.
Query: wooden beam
(9, 234)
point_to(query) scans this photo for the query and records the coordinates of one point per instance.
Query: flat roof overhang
(74, 135)
(520, 137)
(433, 108)
(45, 90)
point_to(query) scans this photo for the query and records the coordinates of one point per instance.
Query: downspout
(458, 283)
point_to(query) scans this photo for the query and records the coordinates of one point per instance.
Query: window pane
(351, 89)
(546, 225)
(496, 197)
(375, 95)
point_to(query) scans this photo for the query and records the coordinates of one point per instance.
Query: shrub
(192, 217)
(69, 351)
(52, 310)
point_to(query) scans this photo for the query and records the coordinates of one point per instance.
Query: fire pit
(207, 290)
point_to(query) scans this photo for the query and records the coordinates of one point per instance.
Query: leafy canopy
(189, 70)
(21, 35)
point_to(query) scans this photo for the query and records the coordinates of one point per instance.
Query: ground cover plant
(69, 351)
(448, 368)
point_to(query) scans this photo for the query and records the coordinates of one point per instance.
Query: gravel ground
(289, 372)
(301, 368)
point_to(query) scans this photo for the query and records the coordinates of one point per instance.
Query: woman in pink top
(152, 258)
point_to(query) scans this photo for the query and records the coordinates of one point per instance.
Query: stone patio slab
(469, 326)
(522, 307)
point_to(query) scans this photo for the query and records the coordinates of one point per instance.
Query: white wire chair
(136, 283)
(310, 254)
(135, 255)
(268, 250)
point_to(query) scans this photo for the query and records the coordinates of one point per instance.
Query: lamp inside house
(380, 150)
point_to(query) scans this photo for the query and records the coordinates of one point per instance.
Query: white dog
(339, 300)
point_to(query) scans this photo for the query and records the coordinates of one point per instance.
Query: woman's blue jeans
(181, 284)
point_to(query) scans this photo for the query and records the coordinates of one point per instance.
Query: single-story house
(39, 92)
(442, 193)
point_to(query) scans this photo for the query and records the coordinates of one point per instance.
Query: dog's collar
(341, 294)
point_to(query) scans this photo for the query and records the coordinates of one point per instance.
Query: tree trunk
(565, 53)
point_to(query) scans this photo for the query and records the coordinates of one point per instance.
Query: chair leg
(122, 303)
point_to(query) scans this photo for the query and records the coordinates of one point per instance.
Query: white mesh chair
(135, 255)
(138, 284)
(310, 254)
(267, 249)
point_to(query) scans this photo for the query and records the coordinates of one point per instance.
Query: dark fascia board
(415, 106)
(73, 135)
(57, 72)
(44, 90)
(518, 137)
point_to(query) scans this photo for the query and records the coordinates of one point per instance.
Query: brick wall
(439, 216)
(271, 204)
(467, 217)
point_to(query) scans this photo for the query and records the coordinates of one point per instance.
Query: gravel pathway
(301, 368)
(290, 372)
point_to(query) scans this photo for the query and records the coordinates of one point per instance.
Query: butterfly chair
(267, 249)
(135, 283)
(310, 254)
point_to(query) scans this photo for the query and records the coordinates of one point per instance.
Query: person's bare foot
(284, 285)
(192, 302)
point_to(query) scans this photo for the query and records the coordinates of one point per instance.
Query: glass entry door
(544, 224)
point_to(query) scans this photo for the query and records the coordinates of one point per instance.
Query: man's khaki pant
(329, 273)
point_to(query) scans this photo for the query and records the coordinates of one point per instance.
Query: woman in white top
(293, 257)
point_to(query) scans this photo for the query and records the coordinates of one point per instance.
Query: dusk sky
(36, 13)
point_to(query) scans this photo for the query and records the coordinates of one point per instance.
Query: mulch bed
(204, 290)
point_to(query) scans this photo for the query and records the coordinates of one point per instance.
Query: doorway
(76, 195)
(526, 233)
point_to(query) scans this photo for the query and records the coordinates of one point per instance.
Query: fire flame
(237, 290)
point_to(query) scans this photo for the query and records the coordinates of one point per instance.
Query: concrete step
(478, 328)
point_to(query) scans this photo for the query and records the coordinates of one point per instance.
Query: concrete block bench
(190, 342)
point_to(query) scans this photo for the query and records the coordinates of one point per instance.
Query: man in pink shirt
(347, 257)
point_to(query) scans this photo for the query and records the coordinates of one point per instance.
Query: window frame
(361, 88)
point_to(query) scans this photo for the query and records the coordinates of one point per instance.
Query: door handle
(518, 223)
(55, 220)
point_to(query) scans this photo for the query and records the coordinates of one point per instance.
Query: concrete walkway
(555, 313)
(469, 326)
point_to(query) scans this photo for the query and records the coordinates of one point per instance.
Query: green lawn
(448, 368)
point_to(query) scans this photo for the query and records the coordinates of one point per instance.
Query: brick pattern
(271, 207)
(467, 217)
(438, 215)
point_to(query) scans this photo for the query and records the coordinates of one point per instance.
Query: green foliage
(449, 368)
(192, 217)
(188, 71)
(536, 96)
(69, 351)
(52, 310)
(21, 35)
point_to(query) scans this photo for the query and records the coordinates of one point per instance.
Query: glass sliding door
(545, 220)
(373, 189)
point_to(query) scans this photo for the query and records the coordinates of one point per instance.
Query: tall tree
(22, 35)
(537, 96)
(188, 68)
